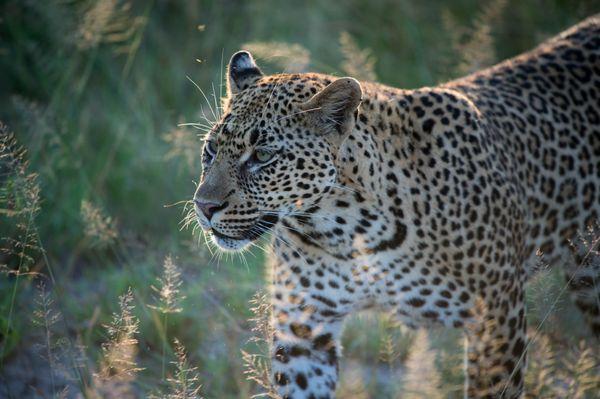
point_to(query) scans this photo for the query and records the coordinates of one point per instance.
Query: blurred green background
(96, 92)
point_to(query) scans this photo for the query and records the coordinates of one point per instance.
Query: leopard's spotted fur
(430, 203)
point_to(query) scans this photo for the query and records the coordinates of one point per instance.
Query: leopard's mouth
(235, 243)
(228, 243)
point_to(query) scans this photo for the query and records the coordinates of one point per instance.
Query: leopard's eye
(263, 156)
(210, 150)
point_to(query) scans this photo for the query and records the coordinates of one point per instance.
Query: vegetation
(102, 295)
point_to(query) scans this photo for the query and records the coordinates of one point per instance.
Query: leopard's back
(542, 115)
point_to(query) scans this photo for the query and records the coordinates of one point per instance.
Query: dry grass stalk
(45, 317)
(582, 372)
(290, 57)
(541, 368)
(168, 289)
(183, 144)
(109, 21)
(100, 228)
(358, 63)
(474, 46)
(421, 362)
(352, 385)
(388, 352)
(167, 300)
(257, 366)
(118, 367)
(19, 205)
(185, 382)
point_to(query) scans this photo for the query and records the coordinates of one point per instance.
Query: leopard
(434, 205)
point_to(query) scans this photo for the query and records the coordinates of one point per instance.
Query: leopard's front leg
(308, 309)
(496, 344)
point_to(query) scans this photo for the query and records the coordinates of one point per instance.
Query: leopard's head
(273, 153)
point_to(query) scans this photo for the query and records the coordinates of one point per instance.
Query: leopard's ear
(242, 71)
(332, 110)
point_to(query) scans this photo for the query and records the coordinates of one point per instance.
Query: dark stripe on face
(304, 237)
(225, 130)
(254, 136)
(394, 242)
(305, 219)
(264, 224)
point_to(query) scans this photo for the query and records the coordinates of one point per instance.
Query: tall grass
(19, 204)
(167, 302)
(185, 382)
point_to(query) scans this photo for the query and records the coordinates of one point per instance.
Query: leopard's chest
(397, 283)
(369, 257)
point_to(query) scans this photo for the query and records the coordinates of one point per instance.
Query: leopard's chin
(229, 244)
(233, 244)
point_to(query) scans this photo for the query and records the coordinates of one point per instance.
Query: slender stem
(48, 348)
(14, 291)
(164, 348)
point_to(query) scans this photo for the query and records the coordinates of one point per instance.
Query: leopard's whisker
(205, 97)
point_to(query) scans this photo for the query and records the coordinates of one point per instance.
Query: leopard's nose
(209, 208)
